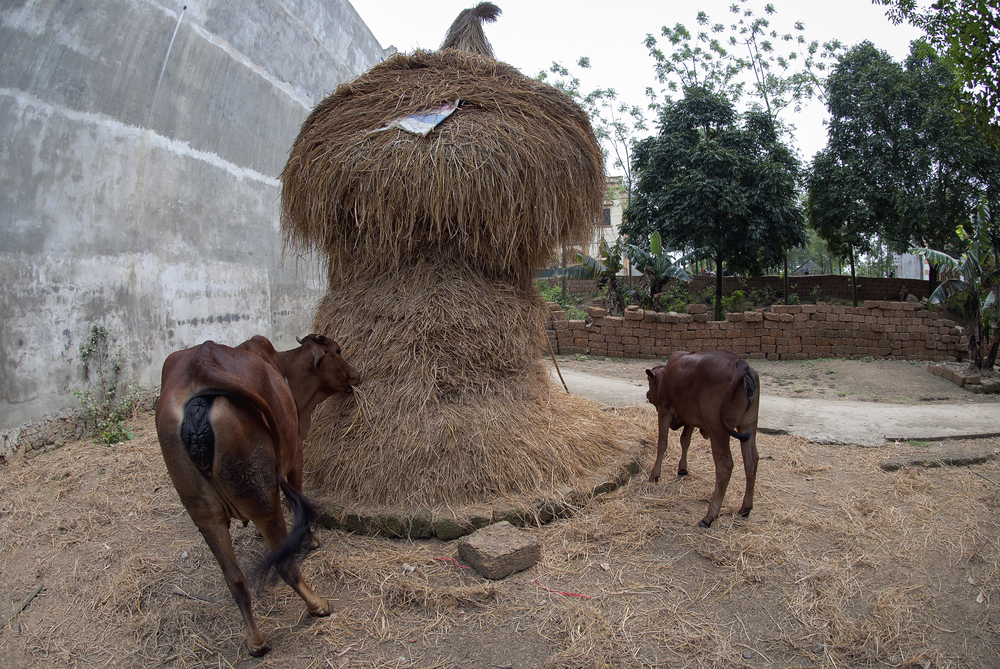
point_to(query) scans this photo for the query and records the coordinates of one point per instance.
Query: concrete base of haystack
(448, 524)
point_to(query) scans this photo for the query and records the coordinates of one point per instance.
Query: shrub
(107, 401)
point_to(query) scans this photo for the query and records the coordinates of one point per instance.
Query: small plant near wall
(814, 295)
(106, 400)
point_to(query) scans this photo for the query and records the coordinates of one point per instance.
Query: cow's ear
(319, 356)
(650, 374)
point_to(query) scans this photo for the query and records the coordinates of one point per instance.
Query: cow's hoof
(746, 512)
(682, 472)
(702, 523)
(654, 479)
(258, 651)
(323, 611)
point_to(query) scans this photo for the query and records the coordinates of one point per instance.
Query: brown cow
(712, 391)
(230, 423)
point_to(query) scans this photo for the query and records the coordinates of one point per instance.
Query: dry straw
(511, 174)
(433, 243)
(455, 405)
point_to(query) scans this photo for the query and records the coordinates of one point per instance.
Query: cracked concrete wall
(140, 147)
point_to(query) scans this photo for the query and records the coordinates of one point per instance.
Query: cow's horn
(298, 340)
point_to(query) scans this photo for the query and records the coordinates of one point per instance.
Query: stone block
(499, 550)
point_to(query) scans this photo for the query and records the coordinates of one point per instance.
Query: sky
(531, 34)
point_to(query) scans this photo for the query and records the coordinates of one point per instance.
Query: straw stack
(433, 243)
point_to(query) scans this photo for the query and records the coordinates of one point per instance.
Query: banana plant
(977, 283)
(658, 268)
(605, 269)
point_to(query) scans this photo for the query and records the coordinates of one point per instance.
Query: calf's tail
(300, 536)
(745, 375)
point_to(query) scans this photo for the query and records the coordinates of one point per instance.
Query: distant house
(808, 267)
(908, 266)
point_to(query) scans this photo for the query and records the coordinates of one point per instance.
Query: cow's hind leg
(723, 471)
(275, 532)
(682, 466)
(750, 459)
(220, 542)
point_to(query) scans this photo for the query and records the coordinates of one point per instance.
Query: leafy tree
(715, 181)
(968, 34)
(840, 217)
(616, 124)
(978, 282)
(911, 175)
(726, 58)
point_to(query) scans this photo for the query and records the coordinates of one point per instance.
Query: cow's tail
(743, 375)
(196, 431)
(300, 536)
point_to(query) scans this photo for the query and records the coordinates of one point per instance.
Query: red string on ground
(453, 560)
(557, 592)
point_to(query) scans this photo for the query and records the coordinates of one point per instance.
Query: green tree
(835, 211)
(715, 181)
(777, 69)
(912, 175)
(967, 32)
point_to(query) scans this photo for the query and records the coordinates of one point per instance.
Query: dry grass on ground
(840, 564)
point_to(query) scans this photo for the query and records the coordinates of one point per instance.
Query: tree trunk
(718, 286)
(854, 279)
(786, 278)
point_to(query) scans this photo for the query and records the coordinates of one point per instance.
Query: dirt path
(892, 381)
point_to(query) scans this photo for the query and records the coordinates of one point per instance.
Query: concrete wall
(140, 145)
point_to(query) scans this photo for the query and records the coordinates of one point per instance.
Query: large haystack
(433, 242)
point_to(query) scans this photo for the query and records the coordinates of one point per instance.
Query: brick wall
(830, 285)
(892, 330)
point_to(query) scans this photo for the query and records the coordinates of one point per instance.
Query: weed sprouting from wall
(108, 400)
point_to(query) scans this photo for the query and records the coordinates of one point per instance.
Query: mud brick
(597, 312)
(499, 550)
(697, 308)
(634, 314)
(734, 318)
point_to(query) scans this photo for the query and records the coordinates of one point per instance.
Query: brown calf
(711, 391)
(230, 423)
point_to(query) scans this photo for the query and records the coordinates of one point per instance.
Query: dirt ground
(841, 564)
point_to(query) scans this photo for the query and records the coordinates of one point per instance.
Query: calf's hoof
(322, 611)
(746, 512)
(654, 479)
(703, 523)
(682, 472)
(258, 651)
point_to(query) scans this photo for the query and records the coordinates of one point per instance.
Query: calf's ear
(650, 374)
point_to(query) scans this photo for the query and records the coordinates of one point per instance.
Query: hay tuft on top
(515, 171)
(466, 33)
